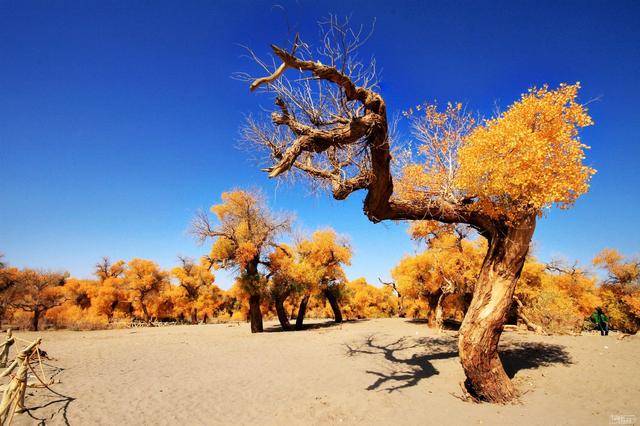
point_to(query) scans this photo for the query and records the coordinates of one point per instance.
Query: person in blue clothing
(601, 321)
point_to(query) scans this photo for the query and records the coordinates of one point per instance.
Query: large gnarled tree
(497, 176)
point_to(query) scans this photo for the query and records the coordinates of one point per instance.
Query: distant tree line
(305, 278)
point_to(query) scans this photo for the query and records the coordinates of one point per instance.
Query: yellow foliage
(145, 280)
(620, 292)
(323, 256)
(246, 228)
(366, 301)
(428, 229)
(105, 269)
(244, 237)
(558, 301)
(450, 264)
(75, 318)
(527, 159)
(286, 272)
(195, 293)
(222, 251)
(530, 157)
(109, 293)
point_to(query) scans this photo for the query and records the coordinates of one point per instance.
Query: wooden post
(6, 345)
(13, 396)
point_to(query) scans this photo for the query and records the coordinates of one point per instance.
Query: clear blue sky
(119, 119)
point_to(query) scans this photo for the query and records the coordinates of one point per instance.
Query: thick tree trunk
(282, 313)
(145, 312)
(35, 320)
(492, 297)
(432, 301)
(194, 316)
(333, 301)
(112, 310)
(255, 314)
(401, 313)
(466, 302)
(302, 310)
(508, 245)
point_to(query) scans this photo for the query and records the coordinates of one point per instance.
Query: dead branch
(338, 134)
(530, 324)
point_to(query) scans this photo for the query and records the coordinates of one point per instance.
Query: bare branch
(331, 126)
(201, 227)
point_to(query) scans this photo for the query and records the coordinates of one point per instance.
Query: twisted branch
(323, 150)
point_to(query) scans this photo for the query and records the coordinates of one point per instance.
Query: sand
(388, 371)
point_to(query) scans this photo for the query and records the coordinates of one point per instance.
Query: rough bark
(466, 302)
(255, 314)
(145, 312)
(335, 307)
(194, 316)
(253, 278)
(508, 242)
(35, 319)
(282, 313)
(302, 310)
(492, 297)
(432, 302)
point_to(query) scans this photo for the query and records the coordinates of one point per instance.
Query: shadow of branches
(277, 328)
(406, 369)
(46, 404)
(531, 355)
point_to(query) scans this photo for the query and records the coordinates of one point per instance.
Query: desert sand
(387, 371)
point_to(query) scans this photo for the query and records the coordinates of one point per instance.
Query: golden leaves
(530, 157)
(323, 255)
(145, 276)
(448, 262)
(245, 231)
(525, 160)
(366, 301)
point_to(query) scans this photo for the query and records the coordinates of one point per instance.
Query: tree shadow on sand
(448, 323)
(406, 371)
(59, 406)
(518, 356)
(45, 404)
(312, 326)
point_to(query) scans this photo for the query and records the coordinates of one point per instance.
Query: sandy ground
(388, 371)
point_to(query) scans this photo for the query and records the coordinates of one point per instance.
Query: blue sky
(120, 119)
